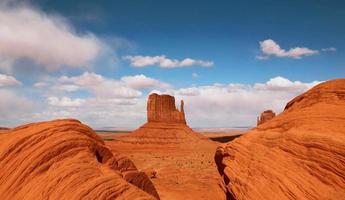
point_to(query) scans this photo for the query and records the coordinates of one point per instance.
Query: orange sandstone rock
(265, 116)
(299, 154)
(64, 159)
(166, 124)
(161, 108)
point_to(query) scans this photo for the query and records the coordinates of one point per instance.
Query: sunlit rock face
(299, 154)
(65, 159)
(161, 108)
(165, 124)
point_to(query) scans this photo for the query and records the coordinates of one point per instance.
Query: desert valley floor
(182, 172)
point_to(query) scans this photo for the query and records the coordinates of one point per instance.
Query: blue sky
(226, 32)
(225, 54)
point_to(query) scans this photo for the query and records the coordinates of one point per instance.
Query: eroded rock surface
(161, 108)
(299, 154)
(165, 124)
(265, 117)
(64, 159)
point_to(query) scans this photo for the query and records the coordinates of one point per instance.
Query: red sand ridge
(166, 124)
(64, 159)
(265, 116)
(161, 108)
(299, 154)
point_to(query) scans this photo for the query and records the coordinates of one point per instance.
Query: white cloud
(6, 64)
(6, 80)
(236, 104)
(68, 87)
(164, 62)
(329, 49)
(40, 85)
(216, 105)
(14, 108)
(271, 48)
(100, 86)
(65, 102)
(47, 40)
(141, 81)
(282, 84)
(192, 91)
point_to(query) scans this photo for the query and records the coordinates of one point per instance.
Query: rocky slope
(64, 159)
(299, 154)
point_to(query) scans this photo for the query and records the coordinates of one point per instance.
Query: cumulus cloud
(14, 108)
(192, 91)
(234, 104)
(164, 62)
(282, 84)
(67, 87)
(6, 80)
(271, 48)
(47, 40)
(100, 86)
(99, 113)
(65, 102)
(216, 105)
(141, 81)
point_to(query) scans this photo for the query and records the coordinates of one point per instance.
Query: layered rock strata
(299, 154)
(65, 159)
(161, 108)
(165, 124)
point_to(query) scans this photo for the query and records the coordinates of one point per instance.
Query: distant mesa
(161, 108)
(265, 116)
(299, 154)
(65, 159)
(165, 124)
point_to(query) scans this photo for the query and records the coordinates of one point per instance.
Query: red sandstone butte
(161, 108)
(65, 159)
(265, 116)
(165, 124)
(179, 160)
(299, 154)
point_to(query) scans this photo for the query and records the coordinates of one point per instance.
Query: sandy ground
(182, 172)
